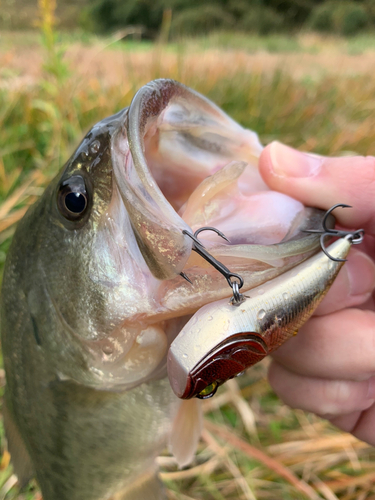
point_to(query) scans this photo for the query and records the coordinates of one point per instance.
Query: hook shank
(235, 281)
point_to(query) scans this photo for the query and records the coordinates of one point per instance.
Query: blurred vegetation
(345, 18)
(196, 17)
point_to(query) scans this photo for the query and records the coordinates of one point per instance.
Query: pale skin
(329, 367)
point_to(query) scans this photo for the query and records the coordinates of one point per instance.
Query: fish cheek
(146, 354)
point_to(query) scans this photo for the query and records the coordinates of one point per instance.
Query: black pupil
(75, 202)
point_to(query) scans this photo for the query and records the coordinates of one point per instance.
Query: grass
(253, 446)
(248, 43)
(301, 42)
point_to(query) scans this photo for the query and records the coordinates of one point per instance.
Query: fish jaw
(221, 340)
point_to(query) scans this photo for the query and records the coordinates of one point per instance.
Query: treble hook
(231, 278)
(356, 237)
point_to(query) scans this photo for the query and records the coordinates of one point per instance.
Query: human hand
(329, 367)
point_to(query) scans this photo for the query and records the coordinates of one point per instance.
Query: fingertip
(279, 164)
(297, 174)
(291, 163)
(265, 164)
(346, 422)
(364, 428)
(266, 168)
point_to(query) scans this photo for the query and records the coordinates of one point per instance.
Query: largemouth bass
(92, 295)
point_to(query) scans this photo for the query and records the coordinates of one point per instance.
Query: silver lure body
(221, 340)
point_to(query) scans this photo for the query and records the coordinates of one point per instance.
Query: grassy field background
(314, 94)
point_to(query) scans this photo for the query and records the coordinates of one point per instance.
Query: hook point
(186, 277)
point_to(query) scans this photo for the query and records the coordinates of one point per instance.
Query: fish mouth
(181, 163)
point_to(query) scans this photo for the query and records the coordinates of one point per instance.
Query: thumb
(322, 182)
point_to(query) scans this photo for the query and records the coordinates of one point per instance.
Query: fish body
(92, 295)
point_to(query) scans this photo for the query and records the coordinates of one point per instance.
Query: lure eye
(208, 391)
(72, 198)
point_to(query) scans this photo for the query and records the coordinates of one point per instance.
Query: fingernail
(288, 162)
(361, 274)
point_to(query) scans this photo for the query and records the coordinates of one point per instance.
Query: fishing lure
(225, 338)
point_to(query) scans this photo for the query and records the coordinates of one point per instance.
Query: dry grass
(287, 455)
(110, 62)
(253, 447)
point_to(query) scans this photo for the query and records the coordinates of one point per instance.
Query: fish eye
(72, 198)
(208, 391)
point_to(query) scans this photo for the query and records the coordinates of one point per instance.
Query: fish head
(83, 272)
(107, 240)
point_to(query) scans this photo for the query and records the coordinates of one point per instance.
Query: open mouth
(175, 163)
(181, 163)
